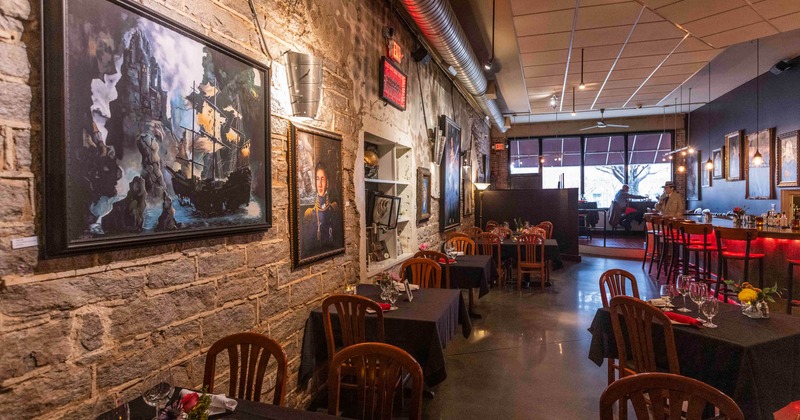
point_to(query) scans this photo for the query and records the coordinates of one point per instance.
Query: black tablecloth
(755, 361)
(245, 410)
(422, 328)
(471, 272)
(551, 251)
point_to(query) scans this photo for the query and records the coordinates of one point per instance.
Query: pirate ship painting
(165, 132)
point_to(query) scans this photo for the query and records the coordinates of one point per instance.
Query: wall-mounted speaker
(421, 55)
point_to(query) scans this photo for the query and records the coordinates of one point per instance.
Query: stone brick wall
(75, 330)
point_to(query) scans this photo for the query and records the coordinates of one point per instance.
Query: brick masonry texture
(75, 330)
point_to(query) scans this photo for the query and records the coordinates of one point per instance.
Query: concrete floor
(527, 356)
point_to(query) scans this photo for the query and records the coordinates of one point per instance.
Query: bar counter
(765, 232)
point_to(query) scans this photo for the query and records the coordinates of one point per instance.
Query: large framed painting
(450, 173)
(760, 185)
(423, 194)
(706, 176)
(719, 163)
(786, 159)
(693, 176)
(734, 163)
(153, 132)
(469, 193)
(315, 194)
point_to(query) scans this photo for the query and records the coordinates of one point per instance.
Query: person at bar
(671, 203)
(619, 208)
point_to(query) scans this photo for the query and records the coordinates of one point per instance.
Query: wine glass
(111, 408)
(667, 291)
(682, 284)
(698, 293)
(449, 249)
(392, 293)
(710, 308)
(158, 390)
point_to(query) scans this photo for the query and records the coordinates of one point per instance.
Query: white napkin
(458, 254)
(402, 287)
(219, 402)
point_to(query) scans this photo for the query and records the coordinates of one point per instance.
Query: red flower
(189, 401)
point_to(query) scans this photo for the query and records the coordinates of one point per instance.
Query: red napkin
(441, 260)
(684, 319)
(385, 306)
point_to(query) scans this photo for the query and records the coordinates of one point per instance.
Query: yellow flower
(748, 296)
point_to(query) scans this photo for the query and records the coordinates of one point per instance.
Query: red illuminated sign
(499, 146)
(394, 52)
(393, 84)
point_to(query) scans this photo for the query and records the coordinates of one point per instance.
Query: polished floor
(527, 356)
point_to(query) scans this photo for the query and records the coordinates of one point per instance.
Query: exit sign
(499, 146)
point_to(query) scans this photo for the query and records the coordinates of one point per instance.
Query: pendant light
(681, 167)
(582, 86)
(573, 101)
(709, 162)
(490, 63)
(758, 160)
(689, 126)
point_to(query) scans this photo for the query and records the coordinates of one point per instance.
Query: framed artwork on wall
(384, 210)
(153, 132)
(316, 217)
(423, 194)
(705, 176)
(693, 176)
(719, 163)
(786, 159)
(450, 174)
(760, 185)
(734, 162)
(469, 197)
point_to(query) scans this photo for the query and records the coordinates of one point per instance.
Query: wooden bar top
(765, 232)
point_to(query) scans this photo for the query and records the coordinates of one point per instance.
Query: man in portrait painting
(452, 187)
(322, 221)
(734, 164)
(717, 155)
(424, 193)
(788, 159)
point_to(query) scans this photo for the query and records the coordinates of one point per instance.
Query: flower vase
(737, 221)
(756, 310)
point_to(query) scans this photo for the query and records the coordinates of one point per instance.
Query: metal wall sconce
(305, 84)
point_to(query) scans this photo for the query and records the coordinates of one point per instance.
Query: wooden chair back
(677, 397)
(736, 234)
(639, 317)
(614, 282)
(530, 250)
(423, 272)
(381, 369)
(535, 230)
(548, 228)
(472, 231)
(454, 234)
(491, 224)
(437, 257)
(503, 232)
(462, 244)
(248, 356)
(352, 316)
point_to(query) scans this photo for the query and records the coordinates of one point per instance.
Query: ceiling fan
(602, 124)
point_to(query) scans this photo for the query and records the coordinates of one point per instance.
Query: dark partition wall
(557, 206)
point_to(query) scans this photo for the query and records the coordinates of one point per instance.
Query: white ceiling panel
(544, 23)
(722, 22)
(693, 10)
(771, 9)
(735, 36)
(788, 22)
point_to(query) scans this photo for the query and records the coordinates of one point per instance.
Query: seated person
(619, 213)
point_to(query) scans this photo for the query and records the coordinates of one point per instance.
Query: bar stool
(649, 239)
(690, 233)
(790, 302)
(666, 245)
(734, 234)
(678, 262)
(655, 222)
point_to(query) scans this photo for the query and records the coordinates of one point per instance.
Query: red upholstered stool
(699, 238)
(735, 234)
(790, 302)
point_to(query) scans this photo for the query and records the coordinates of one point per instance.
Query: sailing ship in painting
(167, 127)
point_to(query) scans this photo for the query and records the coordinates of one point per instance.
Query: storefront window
(523, 156)
(604, 172)
(647, 167)
(561, 156)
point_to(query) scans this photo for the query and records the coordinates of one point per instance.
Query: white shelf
(403, 220)
(384, 181)
(377, 267)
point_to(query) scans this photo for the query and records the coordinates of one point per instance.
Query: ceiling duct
(439, 25)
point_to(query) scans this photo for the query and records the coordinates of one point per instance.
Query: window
(647, 167)
(523, 156)
(604, 171)
(561, 156)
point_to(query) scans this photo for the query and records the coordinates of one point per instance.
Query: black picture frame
(317, 227)
(718, 158)
(693, 176)
(450, 175)
(393, 84)
(734, 158)
(110, 184)
(384, 210)
(760, 183)
(786, 159)
(423, 194)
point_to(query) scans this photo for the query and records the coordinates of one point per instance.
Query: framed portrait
(760, 184)
(734, 163)
(693, 176)
(705, 175)
(786, 159)
(316, 208)
(719, 163)
(483, 168)
(384, 210)
(423, 194)
(450, 174)
(469, 196)
(154, 133)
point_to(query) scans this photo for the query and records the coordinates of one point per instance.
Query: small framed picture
(734, 163)
(787, 159)
(719, 163)
(409, 296)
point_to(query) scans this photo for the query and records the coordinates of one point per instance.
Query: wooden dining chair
(503, 232)
(381, 370)
(462, 244)
(423, 272)
(614, 283)
(548, 228)
(455, 234)
(677, 397)
(437, 257)
(472, 231)
(531, 258)
(535, 230)
(249, 355)
(491, 244)
(637, 331)
(491, 224)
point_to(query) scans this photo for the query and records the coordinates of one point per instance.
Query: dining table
(471, 272)
(422, 327)
(245, 410)
(754, 361)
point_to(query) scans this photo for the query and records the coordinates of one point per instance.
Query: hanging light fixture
(681, 168)
(709, 162)
(582, 86)
(690, 148)
(573, 101)
(758, 160)
(490, 63)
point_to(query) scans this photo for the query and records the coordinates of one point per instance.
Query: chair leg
(646, 247)
(760, 273)
(789, 289)
(611, 375)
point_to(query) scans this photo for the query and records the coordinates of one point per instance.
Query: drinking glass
(158, 390)
(392, 293)
(710, 308)
(350, 285)
(682, 284)
(449, 249)
(698, 293)
(667, 291)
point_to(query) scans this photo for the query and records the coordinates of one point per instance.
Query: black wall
(779, 104)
